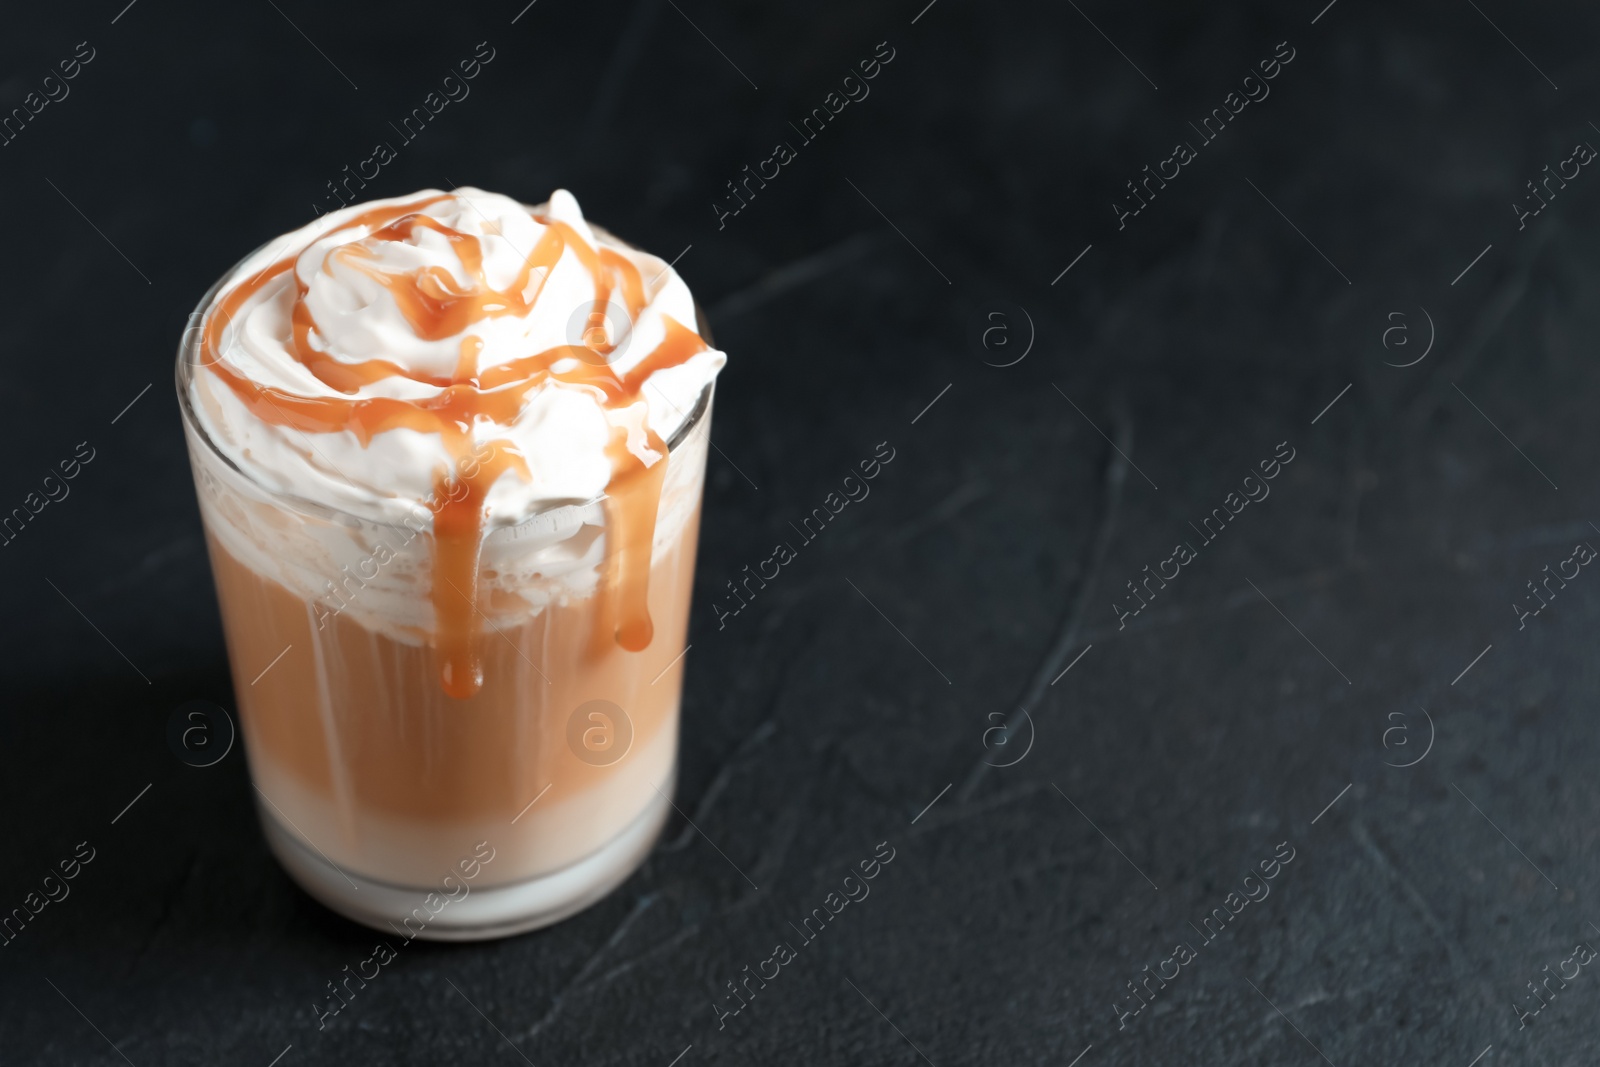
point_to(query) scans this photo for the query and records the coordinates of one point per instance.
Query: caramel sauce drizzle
(436, 307)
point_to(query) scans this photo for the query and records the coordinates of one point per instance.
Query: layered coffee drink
(449, 451)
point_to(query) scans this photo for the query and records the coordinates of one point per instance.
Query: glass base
(489, 912)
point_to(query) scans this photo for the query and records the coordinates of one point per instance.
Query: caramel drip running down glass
(449, 452)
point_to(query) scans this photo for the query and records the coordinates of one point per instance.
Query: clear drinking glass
(399, 806)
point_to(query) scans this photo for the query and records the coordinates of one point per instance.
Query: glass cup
(395, 804)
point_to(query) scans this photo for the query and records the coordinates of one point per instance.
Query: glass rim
(184, 369)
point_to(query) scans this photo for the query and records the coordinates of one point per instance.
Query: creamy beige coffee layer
(359, 751)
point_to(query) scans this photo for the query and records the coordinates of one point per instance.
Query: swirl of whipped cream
(361, 360)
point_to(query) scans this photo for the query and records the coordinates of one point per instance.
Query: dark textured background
(1197, 739)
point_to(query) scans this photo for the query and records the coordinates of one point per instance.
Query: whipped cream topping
(461, 366)
(361, 337)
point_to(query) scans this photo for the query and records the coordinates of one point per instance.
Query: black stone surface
(1360, 617)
